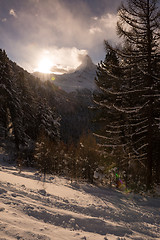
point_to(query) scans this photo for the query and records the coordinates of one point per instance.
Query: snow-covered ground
(59, 209)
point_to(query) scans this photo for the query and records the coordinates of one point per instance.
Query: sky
(56, 32)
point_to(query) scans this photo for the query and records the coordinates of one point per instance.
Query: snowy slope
(60, 210)
(82, 78)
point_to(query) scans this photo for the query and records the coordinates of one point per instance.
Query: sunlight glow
(58, 60)
(44, 66)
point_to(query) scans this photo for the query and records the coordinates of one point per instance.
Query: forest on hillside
(101, 136)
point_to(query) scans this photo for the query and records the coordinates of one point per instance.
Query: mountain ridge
(82, 78)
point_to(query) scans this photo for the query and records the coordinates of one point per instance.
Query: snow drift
(58, 209)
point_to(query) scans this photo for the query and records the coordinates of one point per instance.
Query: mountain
(27, 104)
(82, 78)
(87, 64)
(72, 98)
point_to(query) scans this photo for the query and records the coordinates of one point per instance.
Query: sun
(44, 66)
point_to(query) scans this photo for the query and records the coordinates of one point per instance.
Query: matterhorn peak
(86, 63)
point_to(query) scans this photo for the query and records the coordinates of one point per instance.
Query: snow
(56, 208)
(83, 77)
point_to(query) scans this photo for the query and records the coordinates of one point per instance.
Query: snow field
(56, 209)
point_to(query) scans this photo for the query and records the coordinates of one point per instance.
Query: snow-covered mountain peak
(86, 63)
(82, 78)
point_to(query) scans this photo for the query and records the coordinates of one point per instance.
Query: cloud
(64, 28)
(106, 24)
(109, 20)
(101, 28)
(34, 1)
(64, 59)
(12, 12)
(94, 30)
(4, 19)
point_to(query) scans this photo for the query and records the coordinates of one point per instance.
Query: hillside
(29, 104)
(58, 209)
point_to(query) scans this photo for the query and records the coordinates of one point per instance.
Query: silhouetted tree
(137, 97)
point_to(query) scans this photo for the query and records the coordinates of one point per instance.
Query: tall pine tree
(136, 100)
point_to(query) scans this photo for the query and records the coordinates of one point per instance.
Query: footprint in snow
(42, 192)
(2, 190)
(14, 195)
(2, 209)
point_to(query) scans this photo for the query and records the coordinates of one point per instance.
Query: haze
(59, 30)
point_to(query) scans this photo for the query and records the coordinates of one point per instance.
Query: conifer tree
(137, 97)
(10, 105)
(28, 104)
(87, 157)
(43, 154)
(47, 120)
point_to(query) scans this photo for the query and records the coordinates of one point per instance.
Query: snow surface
(58, 209)
(81, 78)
